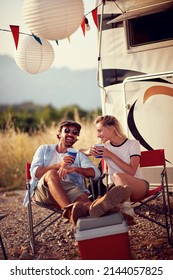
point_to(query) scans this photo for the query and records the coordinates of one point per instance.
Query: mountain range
(57, 87)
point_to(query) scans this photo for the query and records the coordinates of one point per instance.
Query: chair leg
(31, 227)
(31, 230)
(170, 224)
(168, 218)
(92, 189)
(3, 248)
(167, 209)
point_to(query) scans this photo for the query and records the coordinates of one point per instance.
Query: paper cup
(72, 152)
(99, 147)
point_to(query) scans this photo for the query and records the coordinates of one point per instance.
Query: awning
(141, 11)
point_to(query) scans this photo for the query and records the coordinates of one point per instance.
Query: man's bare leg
(72, 211)
(55, 187)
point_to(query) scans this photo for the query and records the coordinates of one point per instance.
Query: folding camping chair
(153, 158)
(36, 228)
(156, 158)
(54, 214)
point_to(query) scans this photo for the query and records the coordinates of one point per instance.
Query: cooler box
(104, 238)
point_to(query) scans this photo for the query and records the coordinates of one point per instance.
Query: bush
(29, 117)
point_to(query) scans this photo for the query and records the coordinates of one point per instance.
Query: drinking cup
(99, 148)
(72, 152)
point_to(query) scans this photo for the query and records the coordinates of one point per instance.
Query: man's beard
(69, 141)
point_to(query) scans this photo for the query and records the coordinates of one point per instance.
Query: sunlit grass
(17, 147)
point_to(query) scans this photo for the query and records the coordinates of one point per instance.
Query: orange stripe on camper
(155, 90)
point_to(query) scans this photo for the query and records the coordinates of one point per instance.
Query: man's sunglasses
(74, 131)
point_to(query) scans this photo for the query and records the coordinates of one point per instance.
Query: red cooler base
(112, 247)
(104, 238)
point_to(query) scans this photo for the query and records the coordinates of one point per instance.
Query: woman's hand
(106, 152)
(92, 151)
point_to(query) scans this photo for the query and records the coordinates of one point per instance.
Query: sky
(79, 53)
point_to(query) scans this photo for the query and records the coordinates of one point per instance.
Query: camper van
(135, 70)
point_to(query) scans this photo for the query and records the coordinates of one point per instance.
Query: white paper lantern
(53, 19)
(33, 57)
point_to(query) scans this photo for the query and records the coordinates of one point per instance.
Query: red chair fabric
(150, 159)
(27, 171)
(156, 158)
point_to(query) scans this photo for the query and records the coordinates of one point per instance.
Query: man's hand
(67, 160)
(64, 171)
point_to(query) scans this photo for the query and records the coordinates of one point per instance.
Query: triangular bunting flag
(57, 42)
(94, 14)
(68, 39)
(83, 26)
(37, 39)
(15, 32)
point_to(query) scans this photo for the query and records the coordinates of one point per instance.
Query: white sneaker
(128, 213)
(127, 208)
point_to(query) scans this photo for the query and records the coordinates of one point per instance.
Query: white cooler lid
(87, 228)
(104, 221)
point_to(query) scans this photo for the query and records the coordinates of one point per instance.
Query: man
(57, 178)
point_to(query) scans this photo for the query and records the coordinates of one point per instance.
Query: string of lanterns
(47, 20)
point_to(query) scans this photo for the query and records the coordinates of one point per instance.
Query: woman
(122, 156)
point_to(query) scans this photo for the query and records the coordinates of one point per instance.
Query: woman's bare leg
(139, 187)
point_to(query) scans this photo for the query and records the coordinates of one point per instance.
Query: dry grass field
(16, 148)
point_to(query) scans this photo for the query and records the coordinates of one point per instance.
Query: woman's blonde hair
(108, 121)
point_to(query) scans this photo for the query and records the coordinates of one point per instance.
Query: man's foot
(75, 211)
(110, 200)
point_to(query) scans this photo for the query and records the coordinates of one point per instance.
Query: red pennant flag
(83, 26)
(15, 32)
(94, 14)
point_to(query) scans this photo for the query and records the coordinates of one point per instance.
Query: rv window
(150, 29)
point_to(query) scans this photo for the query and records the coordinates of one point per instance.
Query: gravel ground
(147, 240)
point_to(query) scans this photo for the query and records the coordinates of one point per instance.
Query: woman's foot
(128, 213)
(110, 201)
